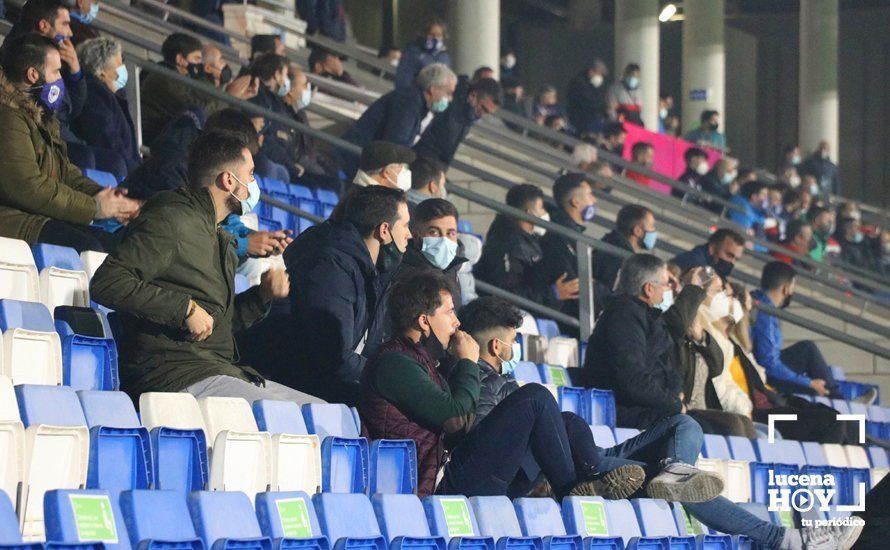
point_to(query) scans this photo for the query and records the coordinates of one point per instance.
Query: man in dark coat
(279, 142)
(326, 17)
(820, 166)
(446, 132)
(337, 291)
(723, 249)
(426, 49)
(632, 349)
(587, 106)
(635, 232)
(83, 13)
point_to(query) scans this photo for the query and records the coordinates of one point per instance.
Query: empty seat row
(553, 350)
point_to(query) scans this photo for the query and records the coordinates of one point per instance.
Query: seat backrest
(342, 515)
(450, 516)
(400, 516)
(585, 516)
(858, 408)
(25, 315)
(857, 457)
(548, 328)
(300, 191)
(279, 417)
(226, 413)
(622, 519)
(554, 374)
(113, 409)
(83, 321)
(529, 325)
(49, 405)
(62, 257)
(527, 372)
(84, 516)
(814, 454)
(878, 457)
(602, 406)
(9, 408)
(877, 413)
(171, 410)
(326, 196)
(16, 252)
(287, 515)
(105, 179)
(715, 446)
(91, 261)
(781, 451)
(840, 406)
(539, 517)
(222, 515)
(835, 455)
(156, 514)
(331, 419)
(9, 523)
(496, 517)
(741, 448)
(655, 517)
(603, 436)
(18, 273)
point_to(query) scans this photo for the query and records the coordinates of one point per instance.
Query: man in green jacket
(172, 281)
(43, 197)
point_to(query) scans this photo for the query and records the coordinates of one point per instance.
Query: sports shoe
(680, 482)
(841, 537)
(615, 484)
(867, 398)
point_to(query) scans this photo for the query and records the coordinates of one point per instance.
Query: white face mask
(736, 311)
(596, 80)
(720, 306)
(702, 168)
(662, 113)
(305, 98)
(403, 180)
(541, 231)
(509, 61)
(794, 180)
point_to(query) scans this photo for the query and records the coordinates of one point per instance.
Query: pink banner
(669, 152)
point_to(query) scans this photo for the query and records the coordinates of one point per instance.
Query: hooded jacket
(37, 181)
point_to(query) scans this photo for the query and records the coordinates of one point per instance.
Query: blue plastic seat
(348, 521)
(554, 374)
(289, 519)
(760, 475)
(603, 436)
(26, 315)
(51, 405)
(587, 517)
(72, 516)
(877, 413)
(393, 468)
(331, 420)
(548, 328)
(783, 451)
(226, 520)
(403, 524)
(496, 518)
(623, 434)
(656, 519)
(279, 417)
(265, 223)
(345, 456)
(715, 446)
(120, 447)
(540, 517)
(89, 361)
(814, 453)
(464, 226)
(878, 457)
(452, 518)
(574, 400)
(527, 372)
(741, 448)
(10, 536)
(180, 459)
(622, 521)
(50, 255)
(158, 520)
(601, 407)
(840, 406)
(327, 197)
(105, 179)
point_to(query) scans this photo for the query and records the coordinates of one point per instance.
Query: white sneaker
(680, 482)
(821, 538)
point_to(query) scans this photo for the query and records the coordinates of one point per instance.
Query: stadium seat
(178, 441)
(554, 374)
(345, 459)
(574, 400)
(10, 537)
(57, 449)
(527, 372)
(622, 521)
(603, 436)
(91, 261)
(715, 446)
(240, 455)
(814, 454)
(289, 519)
(105, 179)
(562, 351)
(857, 457)
(226, 520)
(782, 451)
(835, 455)
(735, 473)
(623, 434)
(74, 516)
(296, 454)
(656, 519)
(242, 283)
(529, 326)
(12, 441)
(19, 278)
(63, 281)
(741, 448)
(877, 413)
(840, 406)
(497, 519)
(120, 447)
(533, 347)
(31, 349)
(451, 518)
(158, 520)
(403, 524)
(393, 467)
(348, 521)
(89, 357)
(540, 517)
(587, 517)
(548, 328)
(878, 457)
(601, 404)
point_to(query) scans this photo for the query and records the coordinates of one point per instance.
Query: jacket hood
(16, 99)
(338, 239)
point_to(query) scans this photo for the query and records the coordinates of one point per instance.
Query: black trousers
(815, 422)
(78, 237)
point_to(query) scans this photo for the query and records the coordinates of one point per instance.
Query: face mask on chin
(508, 366)
(430, 342)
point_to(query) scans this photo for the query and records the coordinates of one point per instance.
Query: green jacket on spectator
(163, 99)
(172, 253)
(37, 182)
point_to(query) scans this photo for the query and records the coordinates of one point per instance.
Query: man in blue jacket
(426, 49)
(751, 201)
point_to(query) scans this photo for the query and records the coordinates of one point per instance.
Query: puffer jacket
(37, 182)
(494, 388)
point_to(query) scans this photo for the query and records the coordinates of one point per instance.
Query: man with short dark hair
(798, 239)
(696, 168)
(750, 212)
(706, 133)
(643, 154)
(328, 64)
(172, 282)
(635, 231)
(427, 181)
(624, 96)
(341, 270)
(724, 248)
(587, 106)
(279, 141)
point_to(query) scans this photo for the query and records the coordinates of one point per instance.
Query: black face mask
(786, 302)
(389, 259)
(195, 70)
(225, 75)
(723, 268)
(432, 345)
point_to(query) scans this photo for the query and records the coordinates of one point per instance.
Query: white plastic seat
(29, 354)
(877, 474)
(91, 261)
(562, 351)
(63, 280)
(534, 348)
(736, 476)
(296, 454)
(12, 440)
(856, 456)
(241, 455)
(835, 455)
(529, 324)
(170, 410)
(19, 279)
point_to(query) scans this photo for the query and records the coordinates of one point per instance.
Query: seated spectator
(105, 119)
(820, 166)
(546, 104)
(445, 133)
(789, 176)
(512, 258)
(341, 270)
(483, 72)
(266, 43)
(750, 211)
(792, 207)
(824, 242)
(508, 62)
(325, 17)
(279, 141)
(385, 164)
(172, 282)
(798, 239)
(426, 49)
(587, 107)
(665, 108)
(635, 232)
(790, 156)
(514, 100)
(800, 368)
(216, 69)
(696, 168)
(632, 350)
(643, 154)
(855, 250)
(808, 182)
(719, 181)
(390, 54)
(706, 134)
(402, 115)
(624, 96)
(576, 207)
(44, 197)
(83, 13)
(583, 156)
(614, 135)
(164, 99)
(724, 248)
(427, 181)
(328, 64)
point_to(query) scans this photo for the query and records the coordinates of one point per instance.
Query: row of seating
(321, 202)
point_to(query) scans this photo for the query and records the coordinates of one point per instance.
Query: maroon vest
(384, 421)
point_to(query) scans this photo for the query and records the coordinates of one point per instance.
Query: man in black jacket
(337, 291)
(632, 350)
(587, 107)
(279, 141)
(635, 232)
(512, 258)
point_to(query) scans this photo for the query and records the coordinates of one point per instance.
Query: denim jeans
(727, 517)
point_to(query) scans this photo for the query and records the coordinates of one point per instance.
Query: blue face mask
(588, 213)
(667, 301)
(122, 75)
(508, 366)
(649, 239)
(284, 89)
(440, 105)
(52, 93)
(88, 17)
(440, 251)
(253, 195)
(633, 82)
(858, 237)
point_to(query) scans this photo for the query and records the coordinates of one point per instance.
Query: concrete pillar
(475, 34)
(636, 41)
(818, 106)
(584, 13)
(704, 61)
